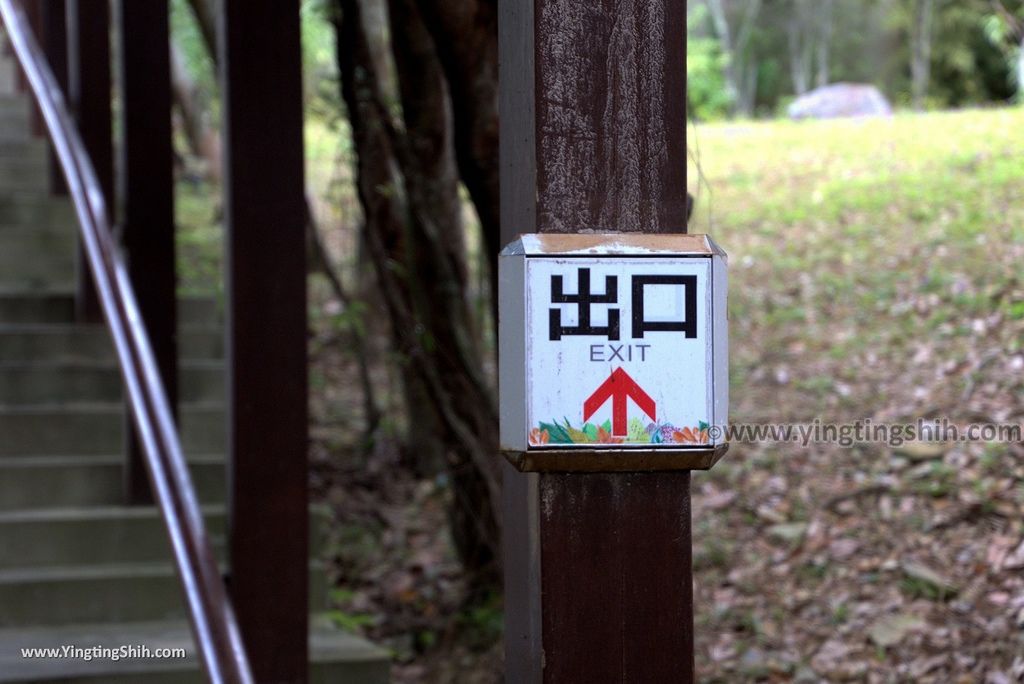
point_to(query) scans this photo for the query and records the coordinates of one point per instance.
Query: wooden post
(261, 77)
(89, 95)
(147, 187)
(598, 566)
(55, 42)
(34, 14)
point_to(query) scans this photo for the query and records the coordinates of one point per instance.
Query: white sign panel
(612, 342)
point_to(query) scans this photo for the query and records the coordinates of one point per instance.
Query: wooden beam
(34, 14)
(55, 42)
(599, 577)
(147, 185)
(261, 77)
(89, 95)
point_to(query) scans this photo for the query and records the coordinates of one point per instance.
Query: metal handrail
(211, 613)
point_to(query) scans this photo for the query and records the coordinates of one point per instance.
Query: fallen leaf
(922, 451)
(719, 499)
(841, 549)
(788, 532)
(891, 629)
(922, 573)
(1015, 559)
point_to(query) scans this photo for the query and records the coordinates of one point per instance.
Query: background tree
(734, 24)
(809, 36)
(423, 124)
(408, 190)
(799, 32)
(1005, 30)
(824, 26)
(918, 52)
(921, 52)
(707, 93)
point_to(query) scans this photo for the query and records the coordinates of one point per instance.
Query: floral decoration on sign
(638, 433)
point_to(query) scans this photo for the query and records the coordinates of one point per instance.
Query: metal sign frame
(514, 374)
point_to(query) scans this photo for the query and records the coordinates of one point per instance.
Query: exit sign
(613, 352)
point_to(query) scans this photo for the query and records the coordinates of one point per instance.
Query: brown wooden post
(598, 566)
(89, 95)
(55, 42)
(147, 189)
(31, 9)
(261, 77)
(34, 14)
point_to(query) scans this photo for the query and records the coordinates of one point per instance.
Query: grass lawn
(876, 272)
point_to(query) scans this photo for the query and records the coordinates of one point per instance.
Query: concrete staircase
(78, 568)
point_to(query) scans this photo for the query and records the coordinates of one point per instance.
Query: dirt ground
(880, 280)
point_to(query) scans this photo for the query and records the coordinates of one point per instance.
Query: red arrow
(619, 386)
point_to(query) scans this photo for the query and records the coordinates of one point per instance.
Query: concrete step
(41, 277)
(66, 343)
(15, 112)
(38, 254)
(52, 383)
(19, 175)
(18, 307)
(34, 482)
(33, 207)
(36, 165)
(15, 133)
(32, 238)
(109, 535)
(36, 149)
(8, 78)
(35, 268)
(335, 656)
(128, 592)
(15, 109)
(15, 116)
(97, 429)
(13, 102)
(92, 536)
(39, 307)
(30, 159)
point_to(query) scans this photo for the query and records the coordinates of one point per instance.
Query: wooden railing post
(88, 24)
(598, 565)
(147, 184)
(261, 80)
(34, 14)
(55, 42)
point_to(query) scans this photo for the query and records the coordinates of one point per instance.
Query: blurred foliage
(320, 72)
(319, 67)
(706, 93)
(187, 37)
(975, 51)
(200, 246)
(482, 622)
(1007, 35)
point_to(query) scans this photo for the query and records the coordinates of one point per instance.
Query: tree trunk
(799, 42)
(432, 183)
(724, 31)
(921, 58)
(466, 38)
(429, 163)
(409, 228)
(741, 67)
(202, 139)
(320, 260)
(202, 10)
(825, 14)
(1020, 72)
